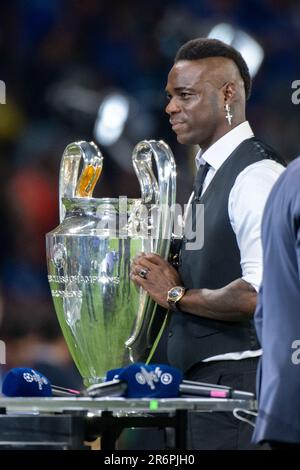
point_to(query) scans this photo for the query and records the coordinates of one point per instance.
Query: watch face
(175, 293)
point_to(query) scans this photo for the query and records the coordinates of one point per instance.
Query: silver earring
(228, 115)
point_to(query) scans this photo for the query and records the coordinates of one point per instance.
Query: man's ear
(229, 91)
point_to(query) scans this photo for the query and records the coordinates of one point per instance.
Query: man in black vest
(212, 296)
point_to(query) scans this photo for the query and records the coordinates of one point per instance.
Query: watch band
(174, 306)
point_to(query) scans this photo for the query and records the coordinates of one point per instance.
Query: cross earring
(228, 115)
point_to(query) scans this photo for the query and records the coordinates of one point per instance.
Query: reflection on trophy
(106, 321)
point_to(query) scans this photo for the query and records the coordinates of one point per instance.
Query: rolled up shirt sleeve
(246, 204)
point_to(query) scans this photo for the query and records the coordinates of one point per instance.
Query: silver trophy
(107, 322)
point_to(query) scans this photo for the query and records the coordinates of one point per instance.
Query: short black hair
(202, 48)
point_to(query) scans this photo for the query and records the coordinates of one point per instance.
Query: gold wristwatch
(174, 295)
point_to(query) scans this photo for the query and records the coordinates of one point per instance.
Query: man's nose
(172, 106)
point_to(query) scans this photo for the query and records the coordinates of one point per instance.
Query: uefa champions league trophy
(106, 321)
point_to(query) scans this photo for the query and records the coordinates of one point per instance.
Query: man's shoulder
(290, 178)
(265, 151)
(293, 166)
(286, 195)
(262, 170)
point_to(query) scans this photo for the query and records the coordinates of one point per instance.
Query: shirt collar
(217, 153)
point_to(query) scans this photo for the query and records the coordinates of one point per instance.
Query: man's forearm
(234, 302)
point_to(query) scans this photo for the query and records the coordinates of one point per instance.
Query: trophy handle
(161, 194)
(69, 184)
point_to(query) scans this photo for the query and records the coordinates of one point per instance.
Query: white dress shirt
(246, 203)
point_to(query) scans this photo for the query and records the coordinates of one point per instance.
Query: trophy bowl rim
(100, 200)
(92, 203)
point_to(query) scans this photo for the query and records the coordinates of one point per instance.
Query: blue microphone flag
(154, 380)
(25, 382)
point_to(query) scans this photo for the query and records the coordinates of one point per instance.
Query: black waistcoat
(193, 338)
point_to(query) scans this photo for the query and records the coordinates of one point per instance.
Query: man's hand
(233, 302)
(155, 275)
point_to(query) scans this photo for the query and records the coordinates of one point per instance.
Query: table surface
(122, 405)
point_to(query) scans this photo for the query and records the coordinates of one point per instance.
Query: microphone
(186, 388)
(139, 381)
(27, 382)
(118, 388)
(237, 394)
(158, 380)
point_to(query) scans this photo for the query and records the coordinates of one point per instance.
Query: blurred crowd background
(62, 61)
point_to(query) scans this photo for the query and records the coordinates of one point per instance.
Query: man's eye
(184, 95)
(168, 97)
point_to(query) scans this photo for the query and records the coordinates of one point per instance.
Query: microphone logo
(151, 377)
(34, 377)
(166, 378)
